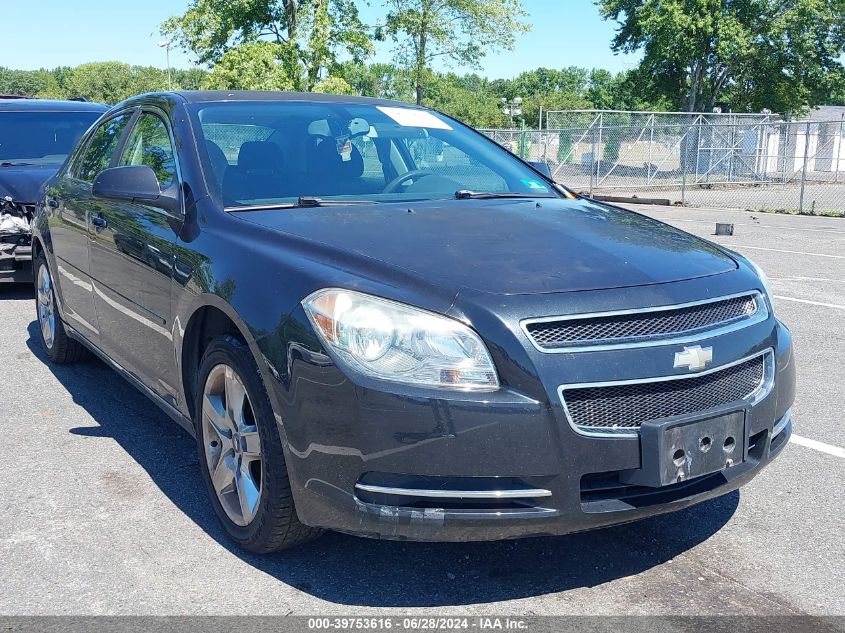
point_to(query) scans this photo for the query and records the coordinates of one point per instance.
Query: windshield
(41, 137)
(265, 153)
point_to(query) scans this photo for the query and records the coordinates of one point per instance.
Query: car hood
(21, 183)
(509, 246)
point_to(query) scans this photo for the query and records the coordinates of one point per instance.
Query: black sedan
(378, 321)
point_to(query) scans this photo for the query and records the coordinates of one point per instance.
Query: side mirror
(543, 168)
(134, 183)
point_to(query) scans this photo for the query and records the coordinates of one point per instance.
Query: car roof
(207, 96)
(49, 105)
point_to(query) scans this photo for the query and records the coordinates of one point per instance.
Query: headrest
(217, 158)
(327, 158)
(262, 155)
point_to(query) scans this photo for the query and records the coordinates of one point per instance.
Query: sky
(50, 33)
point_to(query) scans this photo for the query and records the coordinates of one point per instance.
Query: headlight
(395, 342)
(764, 280)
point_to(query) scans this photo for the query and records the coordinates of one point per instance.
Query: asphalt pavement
(103, 511)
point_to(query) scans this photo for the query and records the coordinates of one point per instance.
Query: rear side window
(102, 145)
(149, 144)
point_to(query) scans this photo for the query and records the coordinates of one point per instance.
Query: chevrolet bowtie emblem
(694, 358)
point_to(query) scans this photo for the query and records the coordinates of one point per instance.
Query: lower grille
(625, 406)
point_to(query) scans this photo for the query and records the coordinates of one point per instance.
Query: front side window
(41, 138)
(149, 144)
(98, 153)
(265, 153)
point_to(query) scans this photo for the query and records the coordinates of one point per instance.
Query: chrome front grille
(622, 407)
(644, 326)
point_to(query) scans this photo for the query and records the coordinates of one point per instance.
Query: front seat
(331, 175)
(259, 173)
(219, 164)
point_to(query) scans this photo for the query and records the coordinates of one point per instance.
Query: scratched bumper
(340, 435)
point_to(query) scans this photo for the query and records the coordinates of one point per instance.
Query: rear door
(71, 203)
(132, 258)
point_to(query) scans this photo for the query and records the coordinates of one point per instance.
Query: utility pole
(512, 108)
(165, 44)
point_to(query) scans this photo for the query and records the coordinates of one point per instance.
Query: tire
(54, 339)
(240, 452)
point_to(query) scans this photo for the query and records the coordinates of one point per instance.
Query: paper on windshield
(407, 117)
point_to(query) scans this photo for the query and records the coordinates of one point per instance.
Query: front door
(70, 203)
(131, 259)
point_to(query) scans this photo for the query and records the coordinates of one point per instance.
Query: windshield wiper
(303, 202)
(465, 194)
(312, 201)
(8, 163)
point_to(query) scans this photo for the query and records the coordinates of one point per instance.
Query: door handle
(99, 222)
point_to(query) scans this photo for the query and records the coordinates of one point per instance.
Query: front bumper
(354, 449)
(15, 259)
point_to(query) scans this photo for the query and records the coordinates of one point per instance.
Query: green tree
(105, 82)
(110, 82)
(623, 91)
(30, 83)
(334, 85)
(758, 53)
(252, 66)
(469, 98)
(148, 79)
(546, 89)
(545, 81)
(458, 32)
(189, 78)
(62, 75)
(600, 91)
(307, 35)
(385, 81)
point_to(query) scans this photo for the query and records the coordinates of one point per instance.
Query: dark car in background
(376, 320)
(36, 135)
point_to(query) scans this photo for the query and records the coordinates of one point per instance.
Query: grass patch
(818, 214)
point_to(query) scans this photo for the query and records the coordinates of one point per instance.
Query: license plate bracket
(675, 450)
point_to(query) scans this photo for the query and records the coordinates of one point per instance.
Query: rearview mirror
(134, 183)
(543, 168)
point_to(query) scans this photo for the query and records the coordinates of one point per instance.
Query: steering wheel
(393, 185)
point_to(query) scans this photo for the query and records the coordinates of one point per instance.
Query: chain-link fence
(740, 161)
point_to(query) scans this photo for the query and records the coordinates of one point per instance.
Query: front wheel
(240, 452)
(58, 345)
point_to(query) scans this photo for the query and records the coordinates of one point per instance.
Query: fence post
(650, 149)
(684, 146)
(593, 163)
(598, 148)
(698, 147)
(804, 167)
(522, 146)
(839, 148)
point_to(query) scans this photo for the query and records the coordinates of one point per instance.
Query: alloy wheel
(232, 444)
(46, 306)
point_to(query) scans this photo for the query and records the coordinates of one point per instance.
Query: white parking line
(825, 279)
(776, 227)
(779, 250)
(836, 306)
(818, 446)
